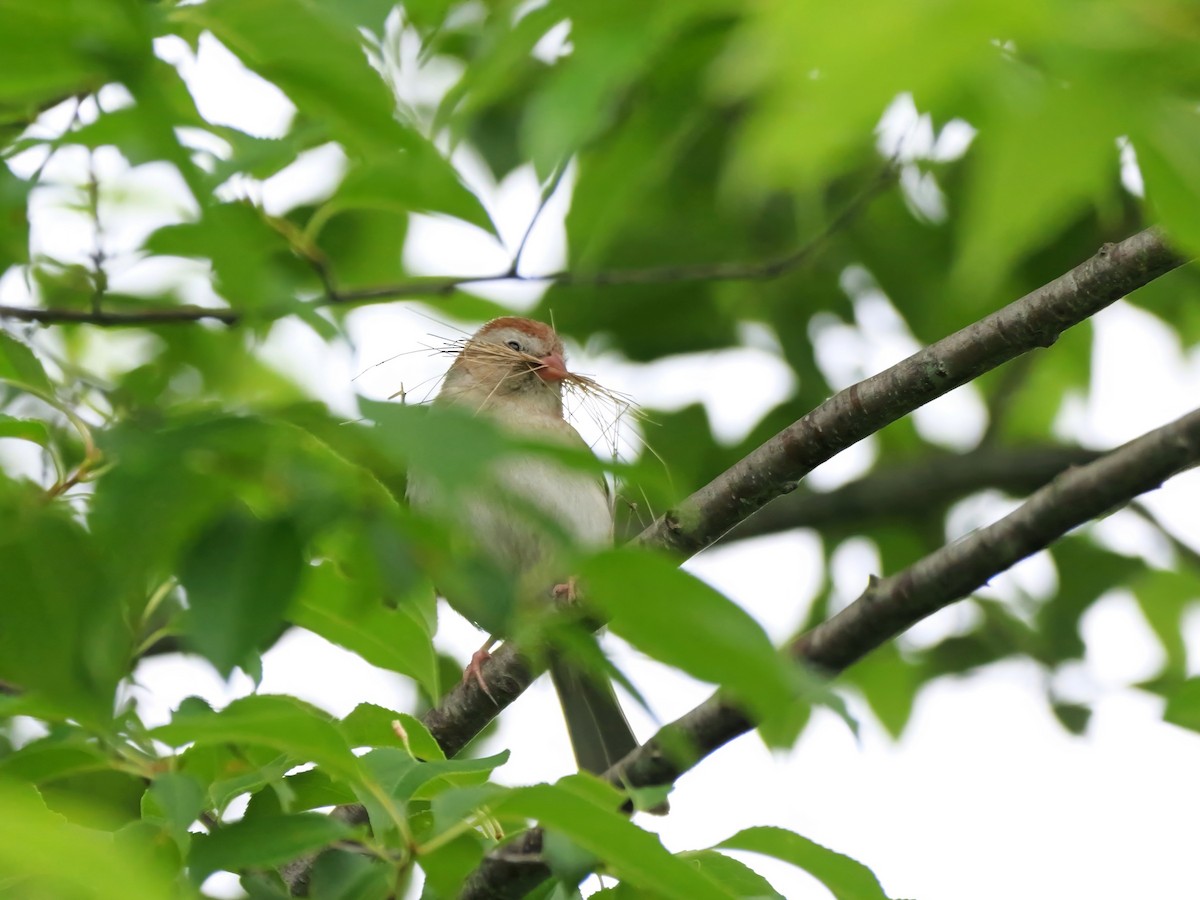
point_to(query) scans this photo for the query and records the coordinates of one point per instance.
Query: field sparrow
(512, 370)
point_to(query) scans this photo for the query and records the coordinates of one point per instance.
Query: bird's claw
(474, 670)
(566, 593)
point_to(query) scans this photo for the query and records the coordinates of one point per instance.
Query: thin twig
(443, 286)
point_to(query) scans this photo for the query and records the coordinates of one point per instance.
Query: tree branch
(776, 467)
(442, 286)
(888, 607)
(1036, 320)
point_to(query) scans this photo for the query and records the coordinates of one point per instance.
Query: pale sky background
(985, 797)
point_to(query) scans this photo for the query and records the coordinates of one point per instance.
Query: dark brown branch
(887, 608)
(164, 315)
(442, 286)
(1036, 320)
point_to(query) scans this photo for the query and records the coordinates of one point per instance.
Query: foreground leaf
(846, 878)
(630, 853)
(263, 841)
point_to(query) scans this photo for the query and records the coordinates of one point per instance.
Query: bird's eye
(514, 345)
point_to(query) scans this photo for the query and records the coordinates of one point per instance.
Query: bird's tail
(599, 733)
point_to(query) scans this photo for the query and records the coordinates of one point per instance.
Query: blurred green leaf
(260, 842)
(174, 801)
(317, 58)
(676, 618)
(57, 48)
(1183, 705)
(364, 247)
(418, 180)
(14, 219)
(55, 756)
(888, 684)
(846, 878)
(240, 575)
(20, 367)
(61, 630)
(351, 615)
(279, 722)
(1085, 572)
(32, 430)
(255, 266)
(36, 845)
(351, 876)
(1168, 161)
(1164, 598)
(1045, 153)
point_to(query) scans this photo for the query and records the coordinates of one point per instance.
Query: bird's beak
(552, 368)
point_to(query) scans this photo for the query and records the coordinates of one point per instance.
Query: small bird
(513, 370)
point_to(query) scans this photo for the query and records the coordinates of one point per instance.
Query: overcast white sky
(985, 797)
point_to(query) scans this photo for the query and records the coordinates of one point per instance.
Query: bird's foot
(474, 669)
(567, 593)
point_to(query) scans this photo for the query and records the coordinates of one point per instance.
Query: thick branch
(888, 607)
(1036, 320)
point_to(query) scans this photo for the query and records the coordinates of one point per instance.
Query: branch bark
(887, 607)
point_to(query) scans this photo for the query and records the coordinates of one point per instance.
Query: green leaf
(240, 575)
(1183, 705)
(888, 683)
(261, 842)
(174, 801)
(279, 722)
(417, 180)
(680, 620)
(57, 48)
(14, 219)
(351, 876)
(24, 429)
(1169, 161)
(583, 89)
(364, 247)
(55, 757)
(732, 874)
(61, 860)
(19, 366)
(315, 57)
(303, 791)
(403, 778)
(1059, 146)
(352, 616)
(630, 853)
(369, 725)
(846, 878)
(255, 266)
(1085, 573)
(1164, 598)
(52, 574)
